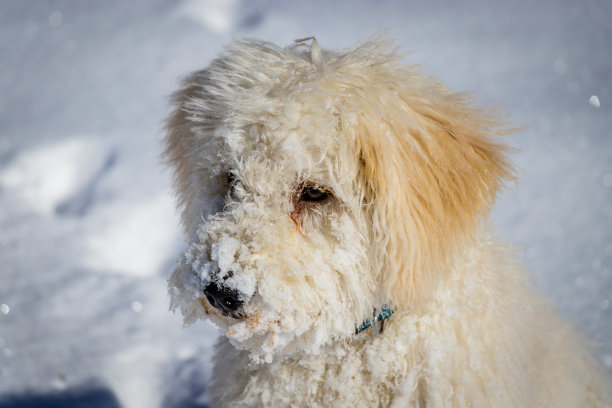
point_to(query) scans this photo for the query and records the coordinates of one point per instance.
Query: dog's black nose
(223, 298)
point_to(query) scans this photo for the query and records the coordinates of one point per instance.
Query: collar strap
(384, 314)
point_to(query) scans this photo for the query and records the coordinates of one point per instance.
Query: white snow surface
(88, 231)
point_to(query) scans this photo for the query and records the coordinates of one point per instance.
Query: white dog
(335, 207)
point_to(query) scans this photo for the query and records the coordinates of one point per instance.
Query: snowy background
(88, 231)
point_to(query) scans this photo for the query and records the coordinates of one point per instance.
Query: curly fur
(412, 170)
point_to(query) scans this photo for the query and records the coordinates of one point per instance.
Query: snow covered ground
(88, 232)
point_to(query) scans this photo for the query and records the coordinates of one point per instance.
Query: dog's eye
(314, 194)
(308, 196)
(231, 182)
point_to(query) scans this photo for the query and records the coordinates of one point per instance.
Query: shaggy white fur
(317, 187)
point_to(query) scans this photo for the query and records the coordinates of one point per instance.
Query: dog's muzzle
(222, 298)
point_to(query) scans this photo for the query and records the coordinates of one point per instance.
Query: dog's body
(320, 188)
(476, 343)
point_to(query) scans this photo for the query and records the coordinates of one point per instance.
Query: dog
(335, 205)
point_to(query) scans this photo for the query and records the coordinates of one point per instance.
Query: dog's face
(282, 253)
(317, 187)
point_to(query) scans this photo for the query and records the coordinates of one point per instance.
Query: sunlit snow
(46, 176)
(5, 309)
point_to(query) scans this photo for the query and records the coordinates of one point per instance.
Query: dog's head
(317, 186)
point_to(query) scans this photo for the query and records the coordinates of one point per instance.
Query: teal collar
(384, 314)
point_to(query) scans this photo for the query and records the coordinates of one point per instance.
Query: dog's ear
(179, 142)
(432, 170)
(188, 132)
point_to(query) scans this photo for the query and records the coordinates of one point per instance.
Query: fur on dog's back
(412, 170)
